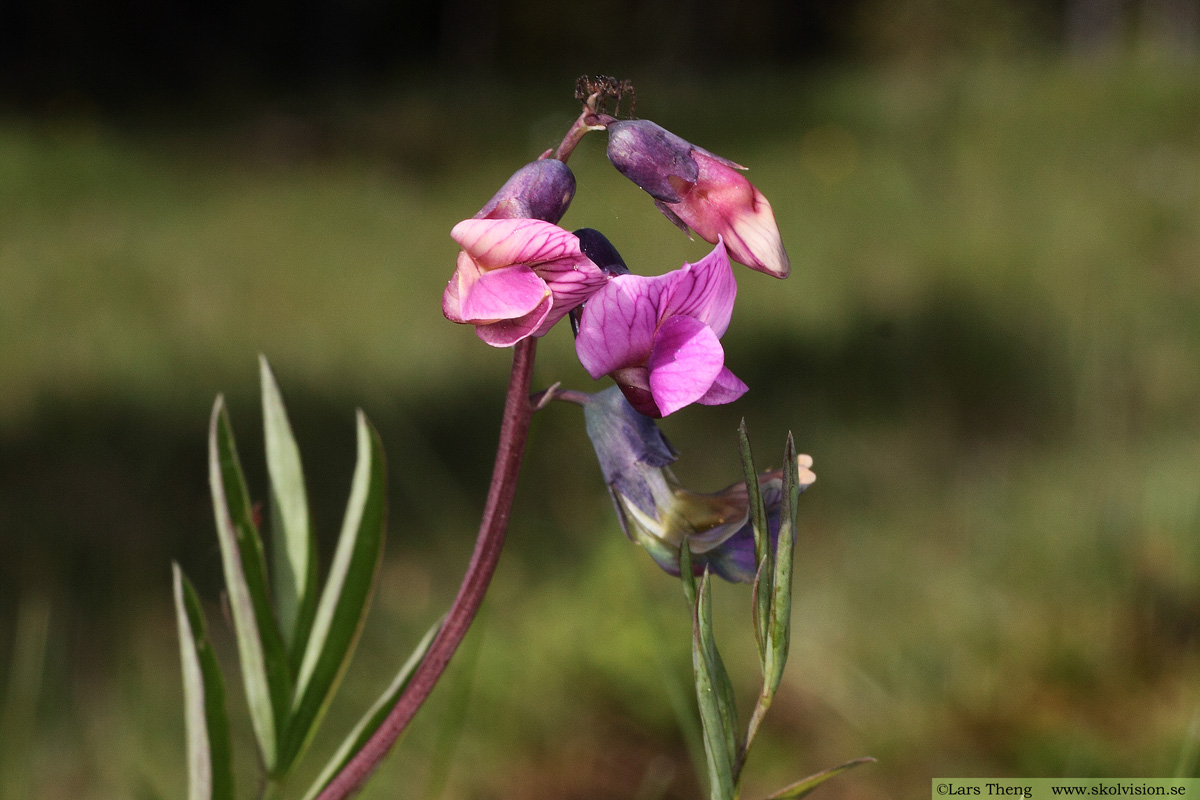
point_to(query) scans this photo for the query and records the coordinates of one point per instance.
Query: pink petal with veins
(497, 243)
(686, 359)
(618, 323)
(705, 291)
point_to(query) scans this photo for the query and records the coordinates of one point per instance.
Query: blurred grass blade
(294, 565)
(263, 660)
(347, 592)
(805, 787)
(780, 625)
(722, 686)
(374, 716)
(763, 584)
(716, 749)
(210, 756)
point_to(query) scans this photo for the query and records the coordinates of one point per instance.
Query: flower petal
(686, 359)
(506, 293)
(502, 242)
(460, 284)
(617, 326)
(510, 331)
(725, 389)
(704, 291)
(572, 280)
(724, 203)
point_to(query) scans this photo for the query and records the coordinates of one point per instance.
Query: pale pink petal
(501, 242)
(724, 204)
(704, 291)
(510, 331)
(506, 293)
(686, 359)
(460, 284)
(725, 389)
(617, 326)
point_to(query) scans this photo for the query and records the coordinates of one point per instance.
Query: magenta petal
(725, 389)
(686, 359)
(705, 291)
(510, 331)
(618, 322)
(505, 293)
(501, 242)
(572, 281)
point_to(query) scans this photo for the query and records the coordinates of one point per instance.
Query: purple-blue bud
(650, 155)
(542, 190)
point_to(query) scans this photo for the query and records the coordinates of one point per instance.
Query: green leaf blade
(292, 551)
(375, 715)
(806, 786)
(726, 706)
(764, 580)
(780, 624)
(210, 755)
(346, 596)
(265, 672)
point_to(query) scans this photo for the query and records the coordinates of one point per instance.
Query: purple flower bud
(657, 512)
(542, 190)
(699, 190)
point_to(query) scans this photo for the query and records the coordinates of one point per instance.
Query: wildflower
(516, 278)
(541, 189)
(658, 513)
(700, 190)
(659, 337)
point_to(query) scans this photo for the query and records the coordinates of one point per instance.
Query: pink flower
(659, 337)
(699, 190)
(516, 278)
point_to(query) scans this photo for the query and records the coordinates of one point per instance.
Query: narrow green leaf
(374, 717)
(720, 767)
(347, 593)
(210, 757)
(764, 588)
(779, 629)
(686, 576)
(292, 546)
(805, 787)
(722, 685)
(265, 672)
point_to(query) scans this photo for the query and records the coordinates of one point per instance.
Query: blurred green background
(990, 344)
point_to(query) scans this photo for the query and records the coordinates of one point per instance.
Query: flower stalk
(514, 431)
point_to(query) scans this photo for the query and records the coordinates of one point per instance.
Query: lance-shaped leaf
(292, 546)
(346, 595)
(720, 756)
(209, 758)
(779, 628)
(763, 581)
(263, 659)
(374, 717)
(722, 685)
(805, 787)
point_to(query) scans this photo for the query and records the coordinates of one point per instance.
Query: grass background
(989, 344)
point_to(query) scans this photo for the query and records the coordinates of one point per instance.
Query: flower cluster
(657, 337)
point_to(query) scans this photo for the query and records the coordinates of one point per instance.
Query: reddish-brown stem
(514, 430)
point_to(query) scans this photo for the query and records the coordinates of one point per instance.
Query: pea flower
(659, 337)
(541, 189)
(658, 513)
(699, 190)
(516, 278)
